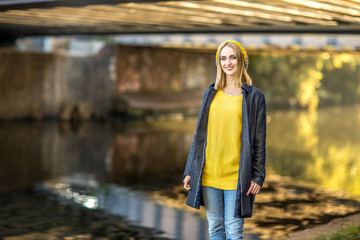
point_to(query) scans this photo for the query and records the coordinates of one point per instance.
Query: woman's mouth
(229, 68)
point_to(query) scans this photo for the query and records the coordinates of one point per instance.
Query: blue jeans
(220, 210)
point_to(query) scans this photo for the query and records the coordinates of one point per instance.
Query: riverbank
(331, 227)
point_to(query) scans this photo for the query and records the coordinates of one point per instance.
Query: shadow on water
(123, 169)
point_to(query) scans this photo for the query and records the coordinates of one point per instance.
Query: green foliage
(304, 80)
(341, 79)
(349, 233)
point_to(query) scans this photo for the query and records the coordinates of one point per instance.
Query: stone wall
(144, 69)
(37, 85)
(151, 81)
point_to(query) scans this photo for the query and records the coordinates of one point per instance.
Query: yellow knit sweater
(223, 142)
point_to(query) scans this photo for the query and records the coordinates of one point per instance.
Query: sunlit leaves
(307, 80)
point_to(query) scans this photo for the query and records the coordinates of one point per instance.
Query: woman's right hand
(187, 182)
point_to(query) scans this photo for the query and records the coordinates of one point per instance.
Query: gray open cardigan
(252, 153)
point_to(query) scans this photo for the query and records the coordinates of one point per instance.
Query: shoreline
(331, 227)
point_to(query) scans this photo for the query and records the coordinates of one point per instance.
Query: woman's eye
(223, 58)
(233, 57)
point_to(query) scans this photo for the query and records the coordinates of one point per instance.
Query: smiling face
(228, 60)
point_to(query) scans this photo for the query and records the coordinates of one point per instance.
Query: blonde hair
(242, 76)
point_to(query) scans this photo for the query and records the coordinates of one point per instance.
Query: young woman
(226, 163)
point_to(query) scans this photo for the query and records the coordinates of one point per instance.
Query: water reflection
(319, 147)
(150, 155)
(134, 205)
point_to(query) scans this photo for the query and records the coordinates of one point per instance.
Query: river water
(113, 166)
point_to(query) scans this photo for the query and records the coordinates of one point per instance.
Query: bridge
(36, 84)
(20, 18)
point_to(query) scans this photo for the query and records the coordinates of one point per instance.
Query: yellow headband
(246, 59)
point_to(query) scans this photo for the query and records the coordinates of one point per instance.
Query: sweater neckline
(230, 95)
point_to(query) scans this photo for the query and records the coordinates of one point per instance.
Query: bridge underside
(55, 17)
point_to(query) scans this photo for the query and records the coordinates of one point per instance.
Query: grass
(351, 232)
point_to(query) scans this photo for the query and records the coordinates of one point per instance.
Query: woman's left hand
(254, 188)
